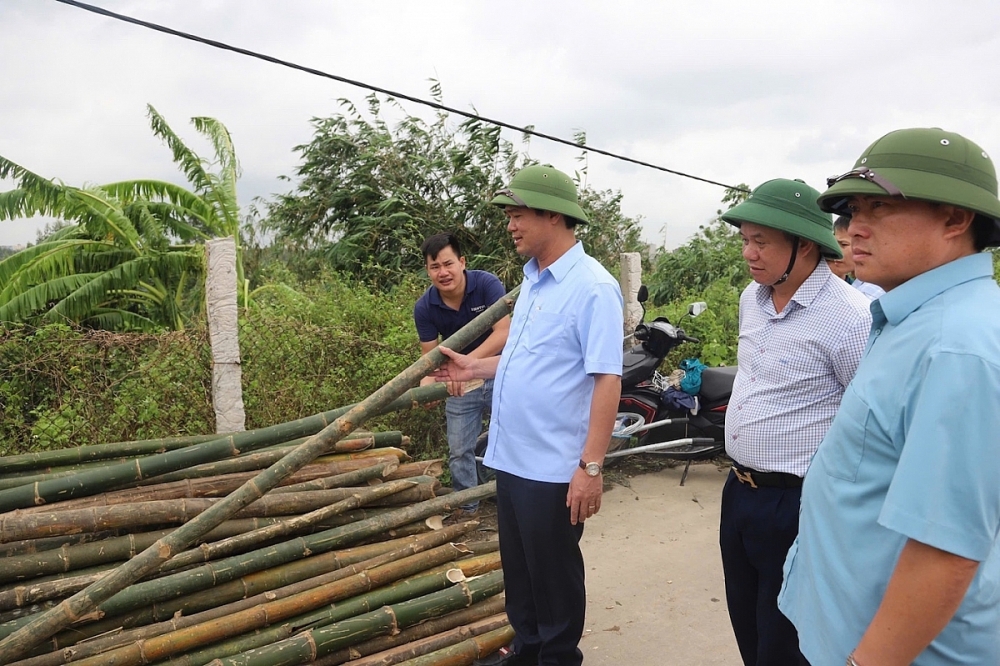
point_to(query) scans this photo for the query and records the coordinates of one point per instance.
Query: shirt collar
(807, 291)
(560, 268)
(435, 296)
(897, 304)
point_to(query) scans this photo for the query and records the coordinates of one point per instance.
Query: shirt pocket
(843, 449)
(548, 333)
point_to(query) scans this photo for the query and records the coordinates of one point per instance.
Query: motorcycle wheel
(485, 473)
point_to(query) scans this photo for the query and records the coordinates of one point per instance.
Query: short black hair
(982, 231)
(433, 245)
(842, 223)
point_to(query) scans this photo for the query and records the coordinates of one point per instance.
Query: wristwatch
(591, 468)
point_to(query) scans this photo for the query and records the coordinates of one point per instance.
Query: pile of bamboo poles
(304, 542)
(345, 560)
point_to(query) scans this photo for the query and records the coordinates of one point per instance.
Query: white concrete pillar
(631, 280)
(223, 333)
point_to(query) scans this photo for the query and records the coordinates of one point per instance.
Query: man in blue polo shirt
(898, 559)
(558, 381)
(456, 297)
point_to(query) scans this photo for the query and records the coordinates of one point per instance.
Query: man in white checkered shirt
(802, 333)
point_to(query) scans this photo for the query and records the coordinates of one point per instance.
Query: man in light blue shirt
(558, 381)
(897, 559)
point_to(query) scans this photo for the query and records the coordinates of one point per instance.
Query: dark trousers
(758, 527)
(542, 570)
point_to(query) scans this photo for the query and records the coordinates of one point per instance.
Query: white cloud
(732, 91)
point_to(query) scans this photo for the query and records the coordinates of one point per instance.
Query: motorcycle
(645, 424)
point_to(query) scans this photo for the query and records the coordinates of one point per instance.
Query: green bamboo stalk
(436, 579)
(272, 612)
(354, 441)
(212, 486)
(71, 557)
(291, 527)
(347, 479)
(61, 655)
(463, 653)
(246, 586)
(314, 643)
(431, 467)
(20, 525)
(408, 589)
(90, 482)
(26, 595)
(148, 592)
(382, 651)
(71, 610)
(248, 466)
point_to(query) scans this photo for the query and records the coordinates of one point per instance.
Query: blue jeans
(465, 423)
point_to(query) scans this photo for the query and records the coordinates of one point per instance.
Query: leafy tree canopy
(714, 253)
(368, 194)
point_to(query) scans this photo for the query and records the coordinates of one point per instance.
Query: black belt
(755, 479)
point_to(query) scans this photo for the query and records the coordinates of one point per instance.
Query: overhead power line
(360, 84)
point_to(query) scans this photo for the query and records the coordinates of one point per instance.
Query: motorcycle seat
(717, 383)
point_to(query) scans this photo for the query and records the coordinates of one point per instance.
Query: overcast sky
(731, 91)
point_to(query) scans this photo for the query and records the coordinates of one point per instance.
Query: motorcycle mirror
(696, 309)
(643, 294)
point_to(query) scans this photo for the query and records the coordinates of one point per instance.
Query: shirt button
(739, 407)
(735, 437)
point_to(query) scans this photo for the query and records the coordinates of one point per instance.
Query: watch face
(593, 469)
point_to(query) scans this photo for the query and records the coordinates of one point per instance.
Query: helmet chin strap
(791, 264)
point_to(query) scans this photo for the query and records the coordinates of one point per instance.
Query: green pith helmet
(788, 205)
(928, 164)
(542, 188)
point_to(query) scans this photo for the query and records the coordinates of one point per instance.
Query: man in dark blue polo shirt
(456, 297)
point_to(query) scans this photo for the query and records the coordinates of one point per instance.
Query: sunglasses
(867, 174)
(510, 195)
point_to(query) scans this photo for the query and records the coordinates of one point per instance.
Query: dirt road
(655, 594)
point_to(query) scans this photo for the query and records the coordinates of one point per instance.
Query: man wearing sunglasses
(897, 558)
(555, 398)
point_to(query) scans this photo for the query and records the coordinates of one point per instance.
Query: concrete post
(223, 333)
(631, 280)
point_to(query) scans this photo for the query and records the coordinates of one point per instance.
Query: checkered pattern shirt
(793, 368)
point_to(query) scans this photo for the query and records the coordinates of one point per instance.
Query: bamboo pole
(314, 643)
(432, 467)
(212, 486)
(90, 482)
(272, 612)
(421, 584)
(19, 525)
(384, 650)
(70, 610)
(345, 479)
(174, 585)
(71, 557)
(354, 442)
(463, 653)
(234, 468)
(224, 607)
(290, 527)
(152, 596)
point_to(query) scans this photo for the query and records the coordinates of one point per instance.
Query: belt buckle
(745, 477)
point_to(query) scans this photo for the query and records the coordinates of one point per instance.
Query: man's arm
(464, 368)
(584, 496)
(926, 588)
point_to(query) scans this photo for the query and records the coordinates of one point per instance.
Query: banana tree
(130, 255)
